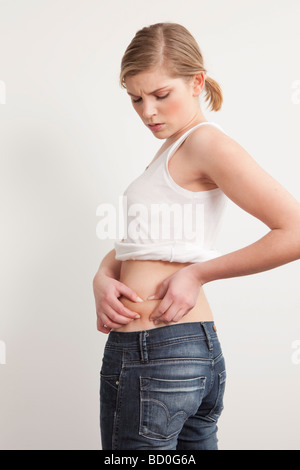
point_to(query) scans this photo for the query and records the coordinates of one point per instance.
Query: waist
(164, 335)
(145, 277)
(174, 252)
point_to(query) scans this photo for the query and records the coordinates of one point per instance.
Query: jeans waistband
(205, 330)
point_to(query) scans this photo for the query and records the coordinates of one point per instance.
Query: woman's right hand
(111, 313)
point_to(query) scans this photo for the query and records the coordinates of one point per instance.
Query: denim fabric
(162, 388)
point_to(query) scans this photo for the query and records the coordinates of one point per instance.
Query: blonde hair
(172, 46)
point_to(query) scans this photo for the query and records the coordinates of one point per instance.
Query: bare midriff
(145, 277)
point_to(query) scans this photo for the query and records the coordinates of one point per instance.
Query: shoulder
(210, 148)
(207, 137)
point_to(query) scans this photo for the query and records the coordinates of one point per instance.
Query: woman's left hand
(179, 293)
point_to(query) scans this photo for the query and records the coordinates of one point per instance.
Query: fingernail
(151, 297)
(156, 322)
(137, 316)
(138, 299)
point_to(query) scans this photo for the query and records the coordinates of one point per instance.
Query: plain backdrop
(69, 141)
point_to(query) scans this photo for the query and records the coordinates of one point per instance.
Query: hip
(194, 341)
(145, 277)
(159, 384)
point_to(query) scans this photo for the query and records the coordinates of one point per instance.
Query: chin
(161, 137)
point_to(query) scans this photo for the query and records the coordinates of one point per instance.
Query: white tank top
(164, 221)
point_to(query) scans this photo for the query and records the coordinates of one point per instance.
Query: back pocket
(218, 407)
(166, 404)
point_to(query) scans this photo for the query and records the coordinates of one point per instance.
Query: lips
(156, 126)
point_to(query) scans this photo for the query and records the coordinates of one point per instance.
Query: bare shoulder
(204, 142)
(206, 138)
(229, 166)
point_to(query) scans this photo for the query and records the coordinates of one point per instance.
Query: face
(165, 104)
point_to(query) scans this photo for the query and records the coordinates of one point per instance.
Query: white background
(69, 141)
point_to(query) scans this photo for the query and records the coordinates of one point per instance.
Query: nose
(149, 109)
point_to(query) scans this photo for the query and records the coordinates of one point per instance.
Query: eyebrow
(152, 92)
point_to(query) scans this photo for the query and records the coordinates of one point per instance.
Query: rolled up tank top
(164, 221)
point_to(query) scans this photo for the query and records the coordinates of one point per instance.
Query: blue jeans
(162, 388)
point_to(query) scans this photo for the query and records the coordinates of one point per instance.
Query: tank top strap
(181, 139)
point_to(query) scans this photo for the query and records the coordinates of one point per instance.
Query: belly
(145, 277)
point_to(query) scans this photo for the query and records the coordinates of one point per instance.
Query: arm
(227, 164)
(255, 191)
(111, 313)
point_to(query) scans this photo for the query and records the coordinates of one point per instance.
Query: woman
(163, 372)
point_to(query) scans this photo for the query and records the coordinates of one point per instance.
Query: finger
(170, 314)
(159, 294)
(113, 322)
(122, 310)
(106, 320)
(160, 310)
(162, 290)
(115, 317)
(116, 306)
(129, 293)
(181, 312)
(107, 324)
(103, 328)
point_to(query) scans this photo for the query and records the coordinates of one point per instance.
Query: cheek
(137, 109)
(173, 107)
(178, 106)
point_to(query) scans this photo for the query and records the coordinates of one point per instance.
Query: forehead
(149, 81)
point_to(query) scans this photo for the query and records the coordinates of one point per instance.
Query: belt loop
(208, 338)
(143, 346)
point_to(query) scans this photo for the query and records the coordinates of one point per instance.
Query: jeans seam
(169, 361)
(213, 364)
(218, 358)
(118, 409)
(181, 339)
(209, 416)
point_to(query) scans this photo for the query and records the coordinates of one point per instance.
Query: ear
(198, 83)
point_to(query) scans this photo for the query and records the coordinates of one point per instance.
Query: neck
(194, 121)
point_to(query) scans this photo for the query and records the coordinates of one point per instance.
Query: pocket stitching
(107, 378)
(145, 429)
(221, 389)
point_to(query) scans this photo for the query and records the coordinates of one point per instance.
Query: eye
(136, 101)
(163, 97)
(157, 97)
